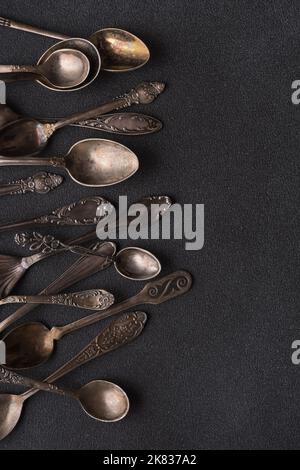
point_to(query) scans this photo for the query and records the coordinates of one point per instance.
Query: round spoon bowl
(137, 264)
(104, 401)
(65, 68)
(28, 346)
(76, 44)
(121, 51)
(10, 410)
(100, 162)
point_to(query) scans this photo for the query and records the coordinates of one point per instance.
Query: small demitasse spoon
(64, 68)
(121, 51)
(118, 333)
(101, 400)
(89, 162)
(32, 344)
(131, 262)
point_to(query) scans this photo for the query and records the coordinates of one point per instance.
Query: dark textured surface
(212, 369)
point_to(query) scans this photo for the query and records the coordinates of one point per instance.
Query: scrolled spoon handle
(96, 299)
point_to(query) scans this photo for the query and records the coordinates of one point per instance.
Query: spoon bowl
(120, 50)
(100, 162)
(10, 410)
(64, 68)
(79, 46)
(104, 401)
(137, 264)
(23, 137)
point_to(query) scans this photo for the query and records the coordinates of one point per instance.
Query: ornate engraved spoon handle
(156, 292)
(118, 333)
(79, 213)
(41, 183)
(96, 299)
(120, 123)
(49, 245)
(144, 93)
(10, 377)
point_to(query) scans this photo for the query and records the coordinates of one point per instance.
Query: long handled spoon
(83, 267)
(28, 136)
(13, 268)
(64, 69)
(32, 344)
(116, 334)
(120, 50)
(96, 299)
(41, 183)
(132, 262)
(89, 162)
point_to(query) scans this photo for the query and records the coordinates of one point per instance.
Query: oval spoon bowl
(100, 162)
(104, 401)
(85, 47)
(137, 264)
(121, 51)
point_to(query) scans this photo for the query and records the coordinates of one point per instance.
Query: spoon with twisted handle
(116, 334)
(120, 50)
(28, 136)
(132, 262)
(31, 344)
(96, 299)
(13, 268)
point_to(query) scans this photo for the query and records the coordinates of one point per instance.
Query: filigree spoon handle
(41, 183)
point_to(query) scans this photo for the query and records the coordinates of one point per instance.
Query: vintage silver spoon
(120, 50)
(13, 268)
(32, 344)
(64, 69)
(27, 136)
(89, 162)
(132, 262)
(116, 334)
(96, 299)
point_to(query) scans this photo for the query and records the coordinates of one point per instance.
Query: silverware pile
(70, 65)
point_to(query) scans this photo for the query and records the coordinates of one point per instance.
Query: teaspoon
(28, 136)
(32, 344)
(116, 334)
(120, 50)
(89, 162)
(131, 262)
(64, 68)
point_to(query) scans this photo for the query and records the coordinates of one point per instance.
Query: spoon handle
(96, 299)
(81, 269)
(156, 292)
(41, 183)
(6, 22)
(118, 333)
(10, 377)
(49, 161)
(49, 245)
(144, 93)
(79, 213)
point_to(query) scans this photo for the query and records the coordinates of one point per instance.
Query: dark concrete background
(213, 368)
